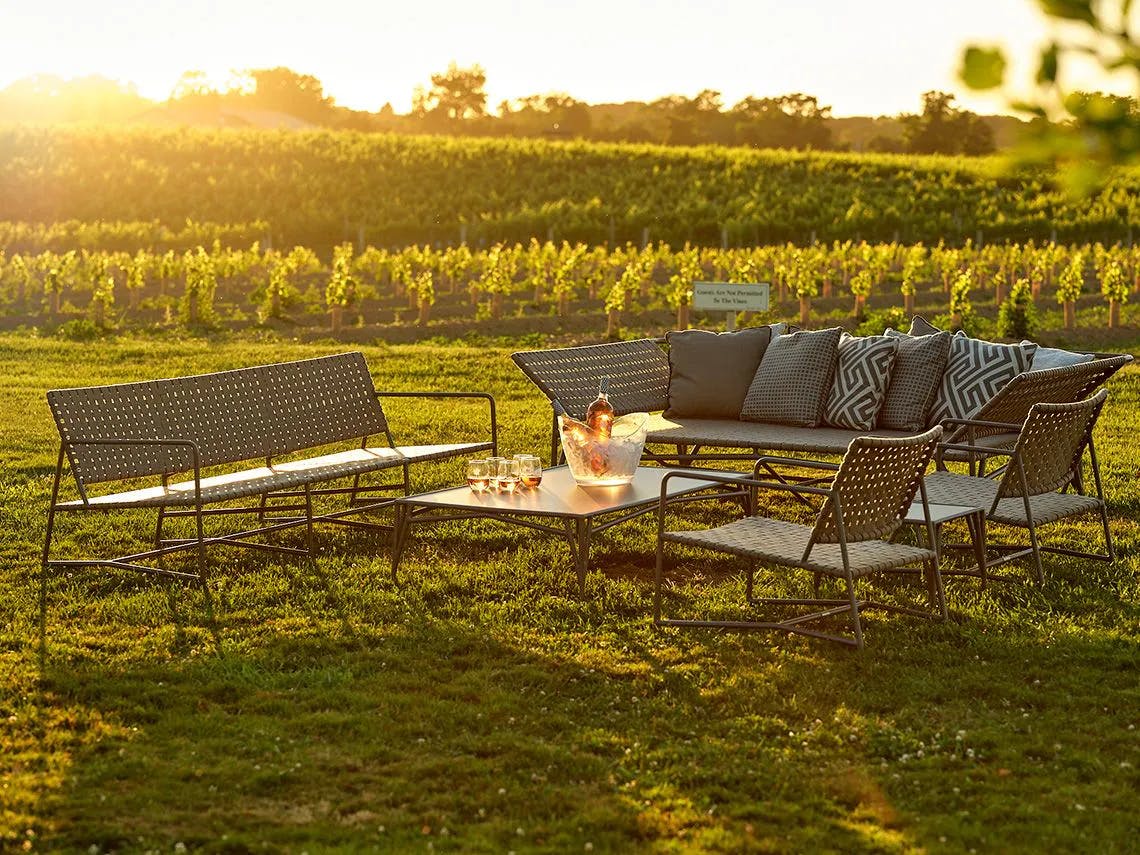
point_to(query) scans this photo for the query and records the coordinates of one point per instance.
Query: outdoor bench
(266, 422)
(639, 374)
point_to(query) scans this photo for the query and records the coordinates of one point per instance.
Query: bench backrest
(638, 372)
(1047, 386)
(232, 416)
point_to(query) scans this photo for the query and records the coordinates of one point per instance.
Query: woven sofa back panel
(318, 401)
(638, 372)
(122, 411)
(231, 416)
(1049, 385)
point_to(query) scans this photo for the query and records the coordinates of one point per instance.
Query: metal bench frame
(271, 414)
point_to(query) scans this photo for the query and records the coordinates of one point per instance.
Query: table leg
(400, 527)
(582, 551)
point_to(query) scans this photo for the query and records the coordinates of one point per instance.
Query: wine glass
(530, 470)
(478, 475)
(507, 475)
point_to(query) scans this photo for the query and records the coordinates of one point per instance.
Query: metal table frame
(598, 508)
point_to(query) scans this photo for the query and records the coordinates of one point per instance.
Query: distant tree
(944, 129)
(690, 121)
(555, 114)
(192, 85)
(789, 121)
(456, 94)
(284, 90)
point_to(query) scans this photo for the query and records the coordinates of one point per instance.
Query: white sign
(726, 297)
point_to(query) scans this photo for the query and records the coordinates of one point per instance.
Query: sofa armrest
(476, 395)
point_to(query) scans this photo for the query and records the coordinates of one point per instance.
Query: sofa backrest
(638, 372)
(231, 416)
(1012, 403)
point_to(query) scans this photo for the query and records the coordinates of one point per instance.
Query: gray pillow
(862, 374)
(794, 377)
(709, 373)
(915, 379)
(921, 326)
(1054, 357)
(975, 371)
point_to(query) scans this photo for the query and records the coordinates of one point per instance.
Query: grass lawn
(483, 705)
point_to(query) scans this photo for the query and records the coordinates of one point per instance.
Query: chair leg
(657, 578)
(1109, 551)
(201, 545)
(308, 521)
(856, 620)
(937, 591)
(1036, 553)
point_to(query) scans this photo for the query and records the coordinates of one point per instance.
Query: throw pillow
(794, 377)
(862, 374)
(709, 373)
(915, 379)
(975, 371)
(1054, 357)
(921, 326)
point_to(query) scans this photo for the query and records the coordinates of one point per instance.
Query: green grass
(483, 705)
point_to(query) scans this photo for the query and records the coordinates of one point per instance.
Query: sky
(861, 57)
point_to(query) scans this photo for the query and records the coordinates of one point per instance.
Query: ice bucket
(599, 461)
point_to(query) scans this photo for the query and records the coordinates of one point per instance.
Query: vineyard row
(278, 283)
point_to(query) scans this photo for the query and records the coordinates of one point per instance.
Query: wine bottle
(600, 414)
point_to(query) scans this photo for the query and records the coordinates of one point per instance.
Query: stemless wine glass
(478, 475)
(530, 470)
(507, 475)
(493, 473)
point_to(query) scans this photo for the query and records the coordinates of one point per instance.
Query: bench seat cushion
(280, 476)
(732, 433)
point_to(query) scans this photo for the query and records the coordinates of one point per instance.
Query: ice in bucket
(596, 460)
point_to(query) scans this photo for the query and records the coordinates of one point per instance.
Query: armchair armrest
(433, 394)
(1009, 426)
(112, 441)
(957, 446)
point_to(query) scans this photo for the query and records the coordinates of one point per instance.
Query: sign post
(731, 298)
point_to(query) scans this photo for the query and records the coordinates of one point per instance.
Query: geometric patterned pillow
(862, 376)
(794, 377)
(975, 371)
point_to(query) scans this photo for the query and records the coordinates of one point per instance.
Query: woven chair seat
(950, 488)
(731, 433)
(279, 476)
(782, 542)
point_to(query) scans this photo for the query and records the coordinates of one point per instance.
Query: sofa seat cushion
(731, 433)
(709, 373)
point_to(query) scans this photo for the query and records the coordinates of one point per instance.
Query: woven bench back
(1047, 386)
(232, 416)
(319, 401)
(638, 372)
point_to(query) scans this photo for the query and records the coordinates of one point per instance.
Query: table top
(939, 513)
(559, 495)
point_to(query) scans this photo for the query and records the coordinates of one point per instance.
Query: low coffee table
(558, 506)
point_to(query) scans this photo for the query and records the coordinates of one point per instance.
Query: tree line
(455, 102)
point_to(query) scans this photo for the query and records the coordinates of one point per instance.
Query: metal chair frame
(833, 505)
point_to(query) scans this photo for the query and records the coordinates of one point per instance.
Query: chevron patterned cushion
(975, 371)
(862, 376)
(915, 379)
(792, 382)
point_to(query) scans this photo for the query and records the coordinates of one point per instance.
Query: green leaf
(1070, 10)
(1047, 70)
(982, 68)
